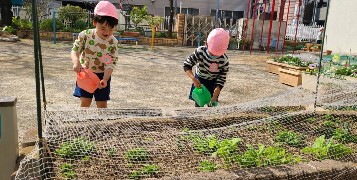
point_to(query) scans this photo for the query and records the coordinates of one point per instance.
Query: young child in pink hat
(97, 50)
(211, 64)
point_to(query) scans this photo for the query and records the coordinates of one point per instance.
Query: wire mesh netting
(277, 137)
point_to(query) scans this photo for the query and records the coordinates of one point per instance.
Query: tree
(6, 13)
(169, 33)
(137, 15)
(71, 13)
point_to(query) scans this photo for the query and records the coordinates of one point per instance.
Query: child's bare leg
(85, 102)
(101, 104)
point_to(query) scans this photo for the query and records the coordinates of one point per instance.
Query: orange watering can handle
(80, 74)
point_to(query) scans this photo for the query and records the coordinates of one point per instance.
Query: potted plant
(233, 43)
(244, 42)
(137, 15)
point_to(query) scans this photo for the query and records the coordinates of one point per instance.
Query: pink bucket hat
(105, 8)
(217, 41)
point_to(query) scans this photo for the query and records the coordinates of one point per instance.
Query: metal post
(261, 33)
(270, 26)
(321, 51)
(199, 39)
(282, 4)
(216, 18)
(286, 27)
(54, 26)
(36, 40)
(246, 26)
(252, 35)
(297, 25)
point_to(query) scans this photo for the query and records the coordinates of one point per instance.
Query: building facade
(341, 28)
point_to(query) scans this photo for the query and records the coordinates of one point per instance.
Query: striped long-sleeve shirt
(208, 68)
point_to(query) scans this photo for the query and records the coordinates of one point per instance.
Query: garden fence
(304, 32)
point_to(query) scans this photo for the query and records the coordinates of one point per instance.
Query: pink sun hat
(217, 41)
(105, 8)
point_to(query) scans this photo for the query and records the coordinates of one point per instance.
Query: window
(191, 11)
(235, 15)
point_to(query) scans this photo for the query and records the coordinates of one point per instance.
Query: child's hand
(197, 83)
(77, 67)
(213, 99)
(102, 84)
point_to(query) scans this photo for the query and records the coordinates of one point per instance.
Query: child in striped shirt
(212, 64)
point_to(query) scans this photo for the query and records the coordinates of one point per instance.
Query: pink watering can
(87, 80)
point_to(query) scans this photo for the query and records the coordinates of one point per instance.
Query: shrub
(80, 24)
(47, 25)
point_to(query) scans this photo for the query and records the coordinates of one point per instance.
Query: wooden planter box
(296, 68)
(131, 34)
(273, 67)
(290, 77)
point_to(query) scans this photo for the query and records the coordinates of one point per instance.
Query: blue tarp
(17, 2)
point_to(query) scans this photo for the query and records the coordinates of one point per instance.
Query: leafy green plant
(21, 24)
(202, 144)
(146, 171)
(329, 124)
(265, 156)
(76, 148)
(311, 119)
(137, 154)
(290, 138)
(67, 171)
(226, 149)
(207, 166)
(111, 151)
(323, 149)
(328, 117)
(344, 136)
(206, 144)
(47, 25)
(9, 29)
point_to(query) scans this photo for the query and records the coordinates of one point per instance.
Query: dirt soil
(171, 148)
(144, 78)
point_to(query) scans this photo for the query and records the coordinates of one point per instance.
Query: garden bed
(187, 148)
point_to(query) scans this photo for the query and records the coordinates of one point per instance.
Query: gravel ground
(144, 78)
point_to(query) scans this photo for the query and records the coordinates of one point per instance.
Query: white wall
(341, 28)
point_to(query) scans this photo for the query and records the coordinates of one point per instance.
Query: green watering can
(202, 96)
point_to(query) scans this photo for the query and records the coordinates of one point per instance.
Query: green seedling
(265, 156)
(206, 144)
(137, 155)
(311, 120)
(328, 117)
(323, 149)
(77, 148)
(344, 136)
(67, 171)
(329, 124)
(227, 149)
(111, 151)
(290, 138)
(207, 166)
(146, 171)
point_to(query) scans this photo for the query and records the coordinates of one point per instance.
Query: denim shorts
(209, 84)
(99, 94)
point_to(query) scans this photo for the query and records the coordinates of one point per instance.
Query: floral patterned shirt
(95, 53)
